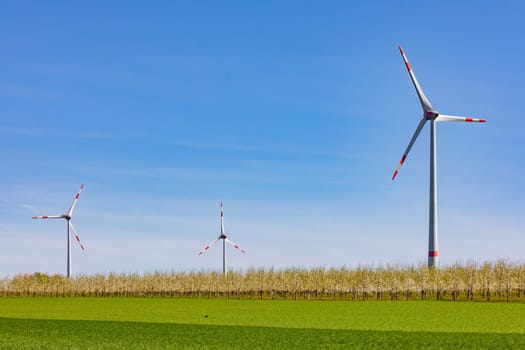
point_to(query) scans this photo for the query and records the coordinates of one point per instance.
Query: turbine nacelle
(431, 114)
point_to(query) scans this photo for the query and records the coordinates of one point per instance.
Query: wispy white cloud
(268, 176)
(263, 149)
(27, 206)
(29, 92)
(96, 135)
(133, 238)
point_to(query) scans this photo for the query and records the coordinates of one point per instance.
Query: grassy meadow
(181, 323)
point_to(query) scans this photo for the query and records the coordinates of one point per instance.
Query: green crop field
(150, 323)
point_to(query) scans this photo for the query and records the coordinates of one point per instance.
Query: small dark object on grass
(205, 315)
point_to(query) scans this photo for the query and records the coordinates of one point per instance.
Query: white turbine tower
(432, 116)
(67, 217)
(224, 240)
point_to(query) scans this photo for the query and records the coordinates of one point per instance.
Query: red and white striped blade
(422, 98)
(409, 147)
(209, 246)
(234, 245)
(451, 118)
(70, 211)
(222, 220)
(76, 234)
(49, 217)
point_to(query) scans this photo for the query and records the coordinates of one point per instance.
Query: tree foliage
(499, 281)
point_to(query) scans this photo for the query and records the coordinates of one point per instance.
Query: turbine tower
(432, 116)
(224, 241)
(67, 217)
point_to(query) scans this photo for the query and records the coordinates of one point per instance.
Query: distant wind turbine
(67, 217)
(224, 240)
(432, 116)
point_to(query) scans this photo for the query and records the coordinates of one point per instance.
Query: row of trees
(500, 281)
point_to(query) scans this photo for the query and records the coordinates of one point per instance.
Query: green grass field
(129, 323)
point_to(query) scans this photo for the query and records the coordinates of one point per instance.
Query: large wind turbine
(67, 217)
(224, 240)
(432, 116)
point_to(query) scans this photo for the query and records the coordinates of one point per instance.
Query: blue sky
(294, 114)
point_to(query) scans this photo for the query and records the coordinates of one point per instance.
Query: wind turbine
(224, 240)
(432, 116)
(67, 217)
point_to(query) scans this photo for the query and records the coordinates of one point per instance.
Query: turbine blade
(222, 220)
(422, 98)
(409, 147)
(451, 118)
(76, 234)
(70, 211)
(208, 246)
(234, 245)
(49, 217)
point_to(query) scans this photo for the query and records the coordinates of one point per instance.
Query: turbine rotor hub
(431, 114)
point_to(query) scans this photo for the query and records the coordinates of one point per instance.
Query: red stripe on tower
(433, 253)
(469, 120)
(408, 66)
(403, 159)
